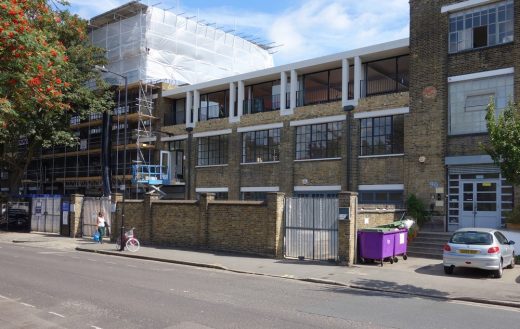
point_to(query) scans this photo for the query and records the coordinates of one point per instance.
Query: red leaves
(54, 53)
(36, 81)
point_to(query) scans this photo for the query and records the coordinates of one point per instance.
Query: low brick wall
(237, 226)
(375, 215)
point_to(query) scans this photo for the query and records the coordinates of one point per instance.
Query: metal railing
(213, 112)
(262, 104)
(384, 86)
(310, 96)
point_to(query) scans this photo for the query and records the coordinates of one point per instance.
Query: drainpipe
(189, 130)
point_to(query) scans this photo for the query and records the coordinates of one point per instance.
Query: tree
(46, 77)
(504, 140)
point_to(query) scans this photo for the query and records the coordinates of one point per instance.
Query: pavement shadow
(469, 273)
(518, 279)
(369, 287)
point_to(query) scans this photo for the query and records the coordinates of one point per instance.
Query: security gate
(46, 213)
(89, 212)
(311, 228)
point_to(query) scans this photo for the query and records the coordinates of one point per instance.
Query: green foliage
(514, 216)
(416, 209)
(504, 140)
(46, 78)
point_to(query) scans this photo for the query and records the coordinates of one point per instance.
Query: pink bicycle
(130, 241)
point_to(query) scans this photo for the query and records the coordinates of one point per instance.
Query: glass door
(480, 204)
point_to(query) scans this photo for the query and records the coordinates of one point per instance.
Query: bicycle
(130, 241)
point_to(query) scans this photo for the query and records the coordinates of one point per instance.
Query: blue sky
(303, 29)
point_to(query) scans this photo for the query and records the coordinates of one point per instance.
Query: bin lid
(378, 229)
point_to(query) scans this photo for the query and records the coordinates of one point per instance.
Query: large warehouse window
(382, 135)
(318, 141)
(261, 146)
(212, 150)
(481, 26)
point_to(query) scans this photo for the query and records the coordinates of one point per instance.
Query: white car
(482, 248)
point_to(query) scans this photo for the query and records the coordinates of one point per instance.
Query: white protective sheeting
(160, 45)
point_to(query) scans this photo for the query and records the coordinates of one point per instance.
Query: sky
(300, 29)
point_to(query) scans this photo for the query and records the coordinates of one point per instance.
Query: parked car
(482, 248)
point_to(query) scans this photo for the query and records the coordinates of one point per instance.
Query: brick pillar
(204, 200)
(347, 229)
(115, 223)
(149, 199)
(275, 204)
(76, 201)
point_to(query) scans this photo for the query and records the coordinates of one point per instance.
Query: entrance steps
(428, 245)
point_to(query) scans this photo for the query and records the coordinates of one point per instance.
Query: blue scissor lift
(153, 176)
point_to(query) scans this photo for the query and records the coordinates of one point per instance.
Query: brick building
(386, 121)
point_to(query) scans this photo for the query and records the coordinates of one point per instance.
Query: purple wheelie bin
(379, 244)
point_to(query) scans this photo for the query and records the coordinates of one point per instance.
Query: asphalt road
(45, 288)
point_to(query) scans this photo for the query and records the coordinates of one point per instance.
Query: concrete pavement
(415, 276)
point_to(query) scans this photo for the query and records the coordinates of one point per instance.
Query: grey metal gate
(311, 228)
(46, 213)
(89, 211)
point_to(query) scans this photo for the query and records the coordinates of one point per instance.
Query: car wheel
(448, 269)
(512, 265)
(500, 271)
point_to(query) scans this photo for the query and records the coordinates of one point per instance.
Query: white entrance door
(480, 206)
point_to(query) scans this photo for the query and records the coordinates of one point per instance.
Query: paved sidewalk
(415, 276)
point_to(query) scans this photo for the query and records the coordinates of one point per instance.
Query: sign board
(343, 213)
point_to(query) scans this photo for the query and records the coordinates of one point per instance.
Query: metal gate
(46, 213)
(89, 211)
(311, 228)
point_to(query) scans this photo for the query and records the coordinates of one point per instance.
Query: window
(253, 196)
(382, 135)
(381, 197)
(481, 26)
(468, 101)
(261, 146)
(96, 116)
(75, 120)
(212, 150)
(318, 141)
(218, 195)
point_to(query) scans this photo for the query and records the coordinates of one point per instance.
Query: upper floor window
(382, 135)
(318, 141)
(481, 26)
(212, 150)
(468, 100)
(261, 145)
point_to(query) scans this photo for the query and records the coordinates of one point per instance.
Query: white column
(345, 77)
(232, 100)
(357, 78)
(283, 91)
(240, 98)
(196, 105)
(294, 87)
(189, 109)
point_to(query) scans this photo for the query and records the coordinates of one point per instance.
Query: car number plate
(465, 251)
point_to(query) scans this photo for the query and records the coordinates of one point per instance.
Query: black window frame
(204, 156)
(309, 147)
(388, 129)
(268, 152)
(373, 197)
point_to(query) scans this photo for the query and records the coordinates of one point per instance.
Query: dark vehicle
(15, 217)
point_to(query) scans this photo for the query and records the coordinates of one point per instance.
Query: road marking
(131, 266)
(92, 260)
(61, 316)
(3, 297)
(95, 327)
(113, 263)
(28, 305)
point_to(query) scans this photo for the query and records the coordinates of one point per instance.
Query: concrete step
(428, 244)
(423, 255)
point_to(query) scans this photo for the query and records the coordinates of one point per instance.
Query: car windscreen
(470, 237)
